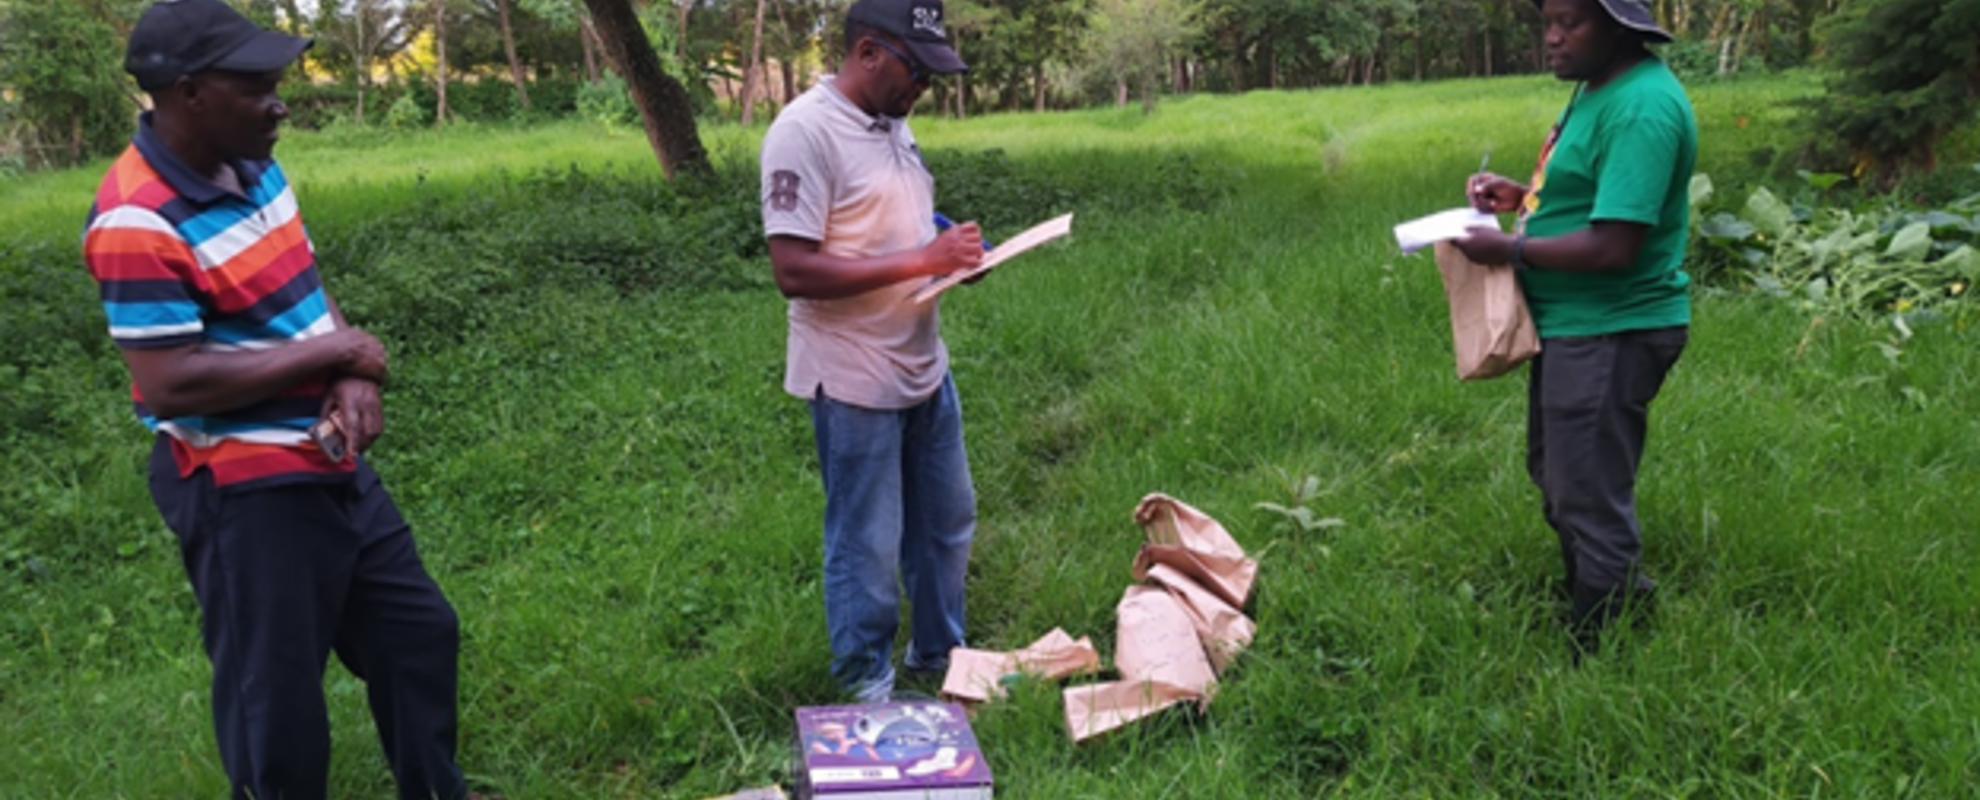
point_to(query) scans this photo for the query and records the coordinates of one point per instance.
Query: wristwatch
(1519, 253)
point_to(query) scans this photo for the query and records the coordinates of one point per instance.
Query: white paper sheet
(1422, 232)
(1034, 236)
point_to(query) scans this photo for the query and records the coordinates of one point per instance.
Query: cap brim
(266, 52)
(938, 57)
(1649, 30)
(1653, 33)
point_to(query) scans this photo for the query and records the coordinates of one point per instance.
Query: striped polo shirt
(180, 261)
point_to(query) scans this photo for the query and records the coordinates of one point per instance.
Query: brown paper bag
(1196, 545)
(978, 675)
(1491, 330)
(1223, 630)
(1161, 661)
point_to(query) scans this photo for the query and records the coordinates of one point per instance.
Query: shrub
(408, 112)
(607, 102)
(61, 65)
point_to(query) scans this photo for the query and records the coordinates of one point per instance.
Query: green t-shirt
(1625, 152)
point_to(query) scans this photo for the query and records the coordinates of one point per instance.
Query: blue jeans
(898, 500)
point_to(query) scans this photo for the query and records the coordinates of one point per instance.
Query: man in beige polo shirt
(849, 209)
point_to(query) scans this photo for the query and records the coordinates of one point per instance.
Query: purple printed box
(889, 751)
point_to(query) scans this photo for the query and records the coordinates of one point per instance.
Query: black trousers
(285, 576)
(1588, 412)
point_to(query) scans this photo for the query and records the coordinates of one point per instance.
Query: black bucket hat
(1634, 15)
(185, 37)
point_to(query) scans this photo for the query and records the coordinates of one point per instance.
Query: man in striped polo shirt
(293, 548)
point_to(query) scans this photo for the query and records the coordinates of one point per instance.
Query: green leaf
(1964, 262)
(1769, 214)
(1701, 188)
(1911, 243)
(1724, 227)
(1941, 219)
(1822, 181)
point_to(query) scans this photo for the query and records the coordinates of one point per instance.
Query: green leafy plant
(1885, 258)
(607, 102)
(1298, 514)
(408, 113)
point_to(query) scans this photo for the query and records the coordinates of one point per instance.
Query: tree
(509, 48)
(1130, 42)
(664, 107)
(440, 69)
(1909, 74)
(752, 73)
(353, 35)
(62, 63)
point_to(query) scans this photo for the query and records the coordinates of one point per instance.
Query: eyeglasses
(916, 71)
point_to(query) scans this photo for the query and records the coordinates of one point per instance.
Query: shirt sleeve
(147, 278)
(1638, 164)
(797, 183)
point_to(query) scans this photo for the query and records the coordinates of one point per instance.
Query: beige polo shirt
(856, 184)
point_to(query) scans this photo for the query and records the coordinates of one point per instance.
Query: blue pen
(943, 223)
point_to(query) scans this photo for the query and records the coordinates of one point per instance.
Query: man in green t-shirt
(1599, 248)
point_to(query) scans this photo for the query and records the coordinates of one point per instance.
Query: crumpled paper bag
(1491, 330)
(1192, 543)
(979, 675)
(1160, 660)
(1223, 630)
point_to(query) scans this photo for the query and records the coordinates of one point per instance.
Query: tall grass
(586, 431)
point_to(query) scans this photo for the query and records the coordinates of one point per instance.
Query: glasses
(916, 71)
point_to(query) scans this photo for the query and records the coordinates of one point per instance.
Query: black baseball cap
(918, 24)
(1634, 15)
(185, 37)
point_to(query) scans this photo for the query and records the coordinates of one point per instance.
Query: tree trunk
(754, 73)
(509, 48)
(790, 80)
(362, 64)
(1416, 38)
(1038, 87)
(962, 83)
(1120, 93)
(588, 36)
(1271, 57)
(664, 108)
(440, 50)
(680, 32)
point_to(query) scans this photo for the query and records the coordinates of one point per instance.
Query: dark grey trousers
(1588, 410)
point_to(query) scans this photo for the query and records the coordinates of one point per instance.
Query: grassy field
(586, 431)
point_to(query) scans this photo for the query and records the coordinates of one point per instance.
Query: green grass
(608, 481)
